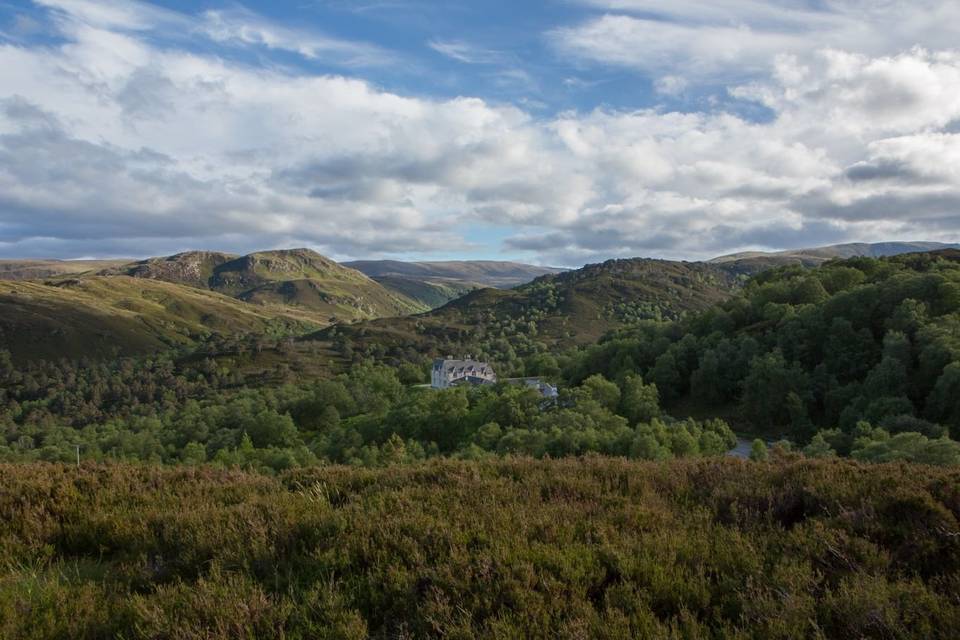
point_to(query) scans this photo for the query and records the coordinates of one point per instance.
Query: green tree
(943, 404)
(639, 402)
(911, 447)
(409, 373)
(666, 376)
(810, 291)
(888, 378)
(602, 391)
(758, 450)
(840, 278)
(393, 451)
(706, 381)
(819, 448)
(194, 453)
(682, 443)
(908, 317)
(896, 345)
(269, 428)
(767, 387)
(646, 447)
(487, 436)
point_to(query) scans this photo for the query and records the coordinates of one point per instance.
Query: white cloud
(784, 14)
(465, 52)
(671, 85)
(129, 15)
(723, 40)
(655, 46)
(109, 141)
(236, 26)
(239, 26)
(867, 96)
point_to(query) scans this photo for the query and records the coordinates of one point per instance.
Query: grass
(429, 293)
(298, 278)
(515, 548)
(101, 316)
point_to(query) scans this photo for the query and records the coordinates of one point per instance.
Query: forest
(151, 412)
(856, 358)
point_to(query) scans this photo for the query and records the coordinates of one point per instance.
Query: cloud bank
(117, 139)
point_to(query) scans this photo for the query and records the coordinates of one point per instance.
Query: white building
(447, 373)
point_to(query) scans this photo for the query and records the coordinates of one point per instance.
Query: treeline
(199, 411)
(858, 356)
(575, 548)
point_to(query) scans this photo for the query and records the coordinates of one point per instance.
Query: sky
(553, 132)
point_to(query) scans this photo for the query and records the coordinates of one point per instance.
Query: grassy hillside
(106, 315)
(552, 312)
(575, 548)
(264, 267)
(429, 293)
(38, 269)
(295, 277)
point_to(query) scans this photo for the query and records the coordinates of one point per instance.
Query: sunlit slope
(36, 269)
(560, 310)
(299, 278)
(106, 315)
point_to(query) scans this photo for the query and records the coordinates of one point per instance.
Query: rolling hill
(298, 278)
(751, 262)
(152, 304)
(436, 283)
(36, 269)
(491, 273)
(101, 316)
(556, 311)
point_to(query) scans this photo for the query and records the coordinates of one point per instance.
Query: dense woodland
(855, 358)
(152, 411)
(575, 548)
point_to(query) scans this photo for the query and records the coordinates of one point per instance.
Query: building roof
(448, 365)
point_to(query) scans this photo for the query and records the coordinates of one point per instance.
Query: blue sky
(491, 49)
(499, 50)
(553, 132)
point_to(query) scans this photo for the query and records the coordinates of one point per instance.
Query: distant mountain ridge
(101, 307)
(303, 277)
(492, 273)
(436, 283)
(749, 262)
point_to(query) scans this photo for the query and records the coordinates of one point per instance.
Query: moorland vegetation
(584, 547)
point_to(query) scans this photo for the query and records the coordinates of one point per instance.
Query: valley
(281, 391)
(540, 320)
